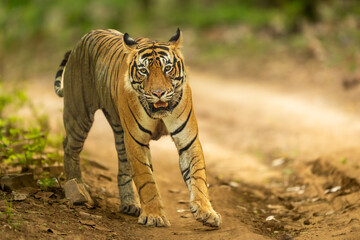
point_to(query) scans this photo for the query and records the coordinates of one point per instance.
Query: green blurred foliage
(21, 145)
(57, 25)
(21, 20)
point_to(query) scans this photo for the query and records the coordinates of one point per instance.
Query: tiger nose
(159, 93)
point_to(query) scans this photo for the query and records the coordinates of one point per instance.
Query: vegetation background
(35, 32)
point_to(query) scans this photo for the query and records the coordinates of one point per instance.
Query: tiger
(142, 88)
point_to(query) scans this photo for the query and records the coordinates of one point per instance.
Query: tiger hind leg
(129, 204)
(76, 134)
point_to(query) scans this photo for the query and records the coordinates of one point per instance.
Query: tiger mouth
(160, 106)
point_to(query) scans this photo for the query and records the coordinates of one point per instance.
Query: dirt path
(244, 127)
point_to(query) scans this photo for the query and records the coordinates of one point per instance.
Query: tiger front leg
(192, 167)
(184, 132)
(152, 210)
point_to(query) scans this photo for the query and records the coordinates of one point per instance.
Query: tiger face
(156, 74)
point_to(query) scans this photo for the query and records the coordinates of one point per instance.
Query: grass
(8, 211)
(24, 146)
(9, 214)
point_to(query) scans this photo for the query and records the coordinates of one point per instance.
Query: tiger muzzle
(160, 106)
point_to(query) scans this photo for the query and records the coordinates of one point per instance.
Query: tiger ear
(176, 39)
(129, 43)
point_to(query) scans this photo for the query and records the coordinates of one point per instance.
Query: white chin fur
(160, 114)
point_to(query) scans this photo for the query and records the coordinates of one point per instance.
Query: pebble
(234, 184)
(278, 162)
(19, 196)
(77, 194)
(88, 215)
(174, 190)
(270, 218)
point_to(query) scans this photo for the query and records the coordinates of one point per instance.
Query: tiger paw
(154, 220)
(130, 209)
(205, 214)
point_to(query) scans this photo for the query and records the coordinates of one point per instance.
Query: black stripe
(76, 149)
(198, 189)
(185, 174)
(100, 47)
(187, 146)
(135, 82)
(150, 200)
(121, 149)
(178, 65)
(93, 42)
(141, 144)
(132, 69)
(66, 57)
(197, 178)
(177, 102)
(163, 53)
(182, 64)
(123, 160)
(145, 164)
(67, 54)
(183, 125)
(123, 174)
(75, 135)
(115, 51)
(146, 183)
(59, 73)
(183, 109)
(86, 125)
(145, 55)
(174, 61)
(63, 63)
(119, 57)
(198, 170)
(183, 171)
(139, 125)
(118, 132)
(127, 182)
(147, 110)
(164, 48)
(143, 50)
(83, 92)
(146, 219)
(192, 165)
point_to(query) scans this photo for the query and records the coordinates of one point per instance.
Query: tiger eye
(143, 71)
(167, 68)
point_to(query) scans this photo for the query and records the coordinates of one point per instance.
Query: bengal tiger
(142, 89)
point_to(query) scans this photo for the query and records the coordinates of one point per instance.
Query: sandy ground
(281, 165)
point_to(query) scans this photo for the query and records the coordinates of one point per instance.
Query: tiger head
(156, 73)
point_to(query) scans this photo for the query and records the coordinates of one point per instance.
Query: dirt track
(244, 126)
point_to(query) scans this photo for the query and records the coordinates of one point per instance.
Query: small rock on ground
(77, 194)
